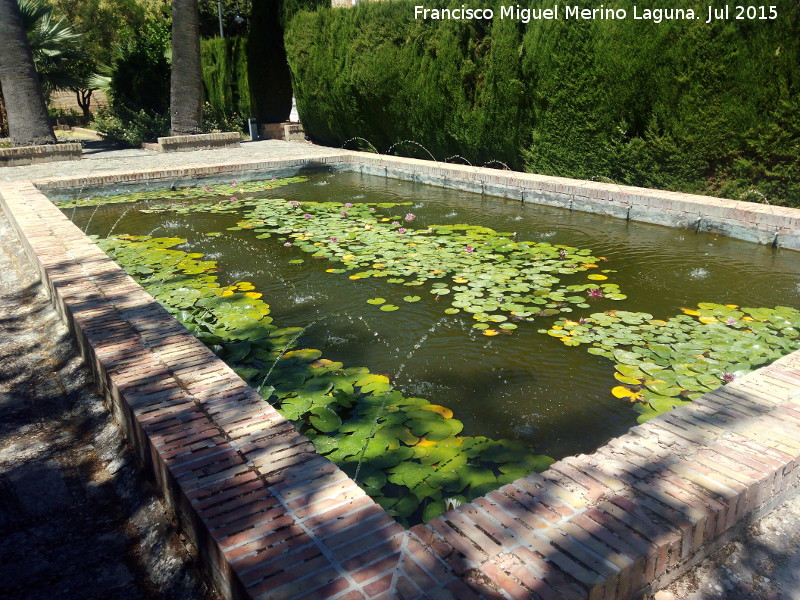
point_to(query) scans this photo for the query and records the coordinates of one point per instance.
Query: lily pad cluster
(405, 452)
(489, 274)
(664, 364)
(233, 188)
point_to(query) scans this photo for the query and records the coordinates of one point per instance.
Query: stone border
(778, 226)
(202, 141)
(273, 519)
(31, 155)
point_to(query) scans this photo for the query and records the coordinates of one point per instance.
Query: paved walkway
(136, 159)
(76, 519)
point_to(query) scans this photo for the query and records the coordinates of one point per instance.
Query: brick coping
(200, 141)
(26, 155)
(274, 519)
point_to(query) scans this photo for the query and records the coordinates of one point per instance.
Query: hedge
(682, 105)
(225, 81)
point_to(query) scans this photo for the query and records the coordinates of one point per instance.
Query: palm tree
(186, 84)
(28, 122)
(55, 46)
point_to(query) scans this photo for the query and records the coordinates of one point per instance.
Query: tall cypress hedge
(225, 81)
(684, 105)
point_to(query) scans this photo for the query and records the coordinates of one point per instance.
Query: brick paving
(274, 520)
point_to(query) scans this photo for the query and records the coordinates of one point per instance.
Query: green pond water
(519, 383)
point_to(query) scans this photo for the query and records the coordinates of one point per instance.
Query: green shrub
(129, 129)
(681, 105)
(65, 116)
(225, 83)
(140, 76)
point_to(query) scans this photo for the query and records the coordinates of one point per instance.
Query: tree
(28, 122)
(186, 83)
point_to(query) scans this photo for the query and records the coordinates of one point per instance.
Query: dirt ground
(77, 519)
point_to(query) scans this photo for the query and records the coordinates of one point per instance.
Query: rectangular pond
(445, 342)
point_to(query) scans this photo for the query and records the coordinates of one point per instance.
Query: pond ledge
(274, 519)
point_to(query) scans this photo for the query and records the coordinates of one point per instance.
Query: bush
(129, 129)
(65, 116)
(681, 105)
(140, 76)
(138, 88)
(225, 84)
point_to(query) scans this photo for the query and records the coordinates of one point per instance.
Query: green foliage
(138, 85)
(665, 364)
(128, 128)
(55, 46)
(234, 17)
(682, 105)
(225, 84)
(140, 75)
(65, 116)
(106, 24)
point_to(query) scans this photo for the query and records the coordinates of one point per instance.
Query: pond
(552, 331)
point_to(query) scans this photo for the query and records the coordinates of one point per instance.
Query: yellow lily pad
(442, 410)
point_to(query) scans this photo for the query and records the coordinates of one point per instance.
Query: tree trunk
(28, 122)
(186, 84)
(84, 99)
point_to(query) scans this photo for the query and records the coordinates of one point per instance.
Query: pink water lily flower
(410, 217)
(730, 321)
(294, 203)
(288, 244)
(727, 377)
(348, 205)
(469, 249)
(233, 198)
(306, 216)
(596, 293)
(234, 182)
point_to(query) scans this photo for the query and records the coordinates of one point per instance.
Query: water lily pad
(376, 300)
(389, 307)
(325, 419)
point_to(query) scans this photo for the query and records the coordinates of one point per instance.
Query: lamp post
(219, 14)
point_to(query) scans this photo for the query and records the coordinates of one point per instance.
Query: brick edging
(273, 518)
(28, 155)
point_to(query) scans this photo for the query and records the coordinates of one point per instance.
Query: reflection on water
(525, 385)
